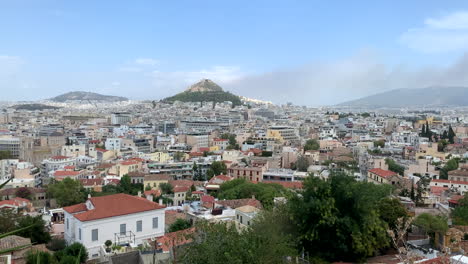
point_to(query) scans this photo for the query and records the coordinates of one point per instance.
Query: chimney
(253, 196)
(139, 193)
(160, 202)
(89, 195)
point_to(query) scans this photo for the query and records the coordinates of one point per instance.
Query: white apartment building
(73, 150)
(113, 143)
(121, 118)
(121, 218)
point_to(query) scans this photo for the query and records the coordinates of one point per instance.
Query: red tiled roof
(288, 185)
(129, 162)
(66, 173)
(101, 150)
(177, 238)
(240, 202)
(155, 193)
(220, 139)
(207, 199)
(198, 192)
(176, 183)
(113, 205)
(382, 173)
(181, 189)
(449, 182)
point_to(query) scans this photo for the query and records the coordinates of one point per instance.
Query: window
(79, 233)
(139, 224)
(94, 235)
(123, 229)
(241, 219)
(155, 222)
(68, 223)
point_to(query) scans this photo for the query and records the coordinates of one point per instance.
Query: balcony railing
(124, 238)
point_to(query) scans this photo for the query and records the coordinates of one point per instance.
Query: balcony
(126, 238)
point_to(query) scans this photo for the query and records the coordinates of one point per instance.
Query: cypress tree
(451, 135)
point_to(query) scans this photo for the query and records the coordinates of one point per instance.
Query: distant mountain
(205, 91)
(34, 107)
(431, 96)
(87, 96)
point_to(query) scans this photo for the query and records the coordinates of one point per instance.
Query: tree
(5, 154)
(311, 144)
(393, 166)
(179, 224)
(302, 164)
(35, 256)
(23, 192)
(37, 233)
(67, 192)
(460, 213)
(166, 188)
(379, 143)
(223, 243)
(77, 250)
(451, 135)
(179, 156)
(431, 224)
(338, 219)
(216, 168)
(452, 164)
(441, 145)
(56, 244)
(241, 189)
(390, 210)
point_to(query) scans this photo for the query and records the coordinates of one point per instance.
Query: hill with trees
(205, 91)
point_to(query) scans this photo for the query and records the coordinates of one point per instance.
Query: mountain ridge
(87, 96)
(429, 96)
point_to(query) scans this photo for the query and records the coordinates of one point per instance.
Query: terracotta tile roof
(177, 238)
(288, 185)
(66, 173)
(155, 193)
(176, 183)
(114, 205)
(181, 189)
(382, 173)
(129, 162)
(157, 177)
(449, 182)
(13, 241)
(136, 174)
(101, 150)
(207, 199)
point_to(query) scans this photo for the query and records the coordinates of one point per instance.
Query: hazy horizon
(267, 50)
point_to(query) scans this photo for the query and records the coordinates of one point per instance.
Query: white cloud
(442, 34)
(146, 61)
(130, 69)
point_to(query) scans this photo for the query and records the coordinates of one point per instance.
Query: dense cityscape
(243, 132)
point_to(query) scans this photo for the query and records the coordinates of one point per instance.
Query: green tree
(179, 224)
(451, 135)
(77, 250)
(37, 233)
(460, 213)
(390, 210)
(216, 168)
(379, 143)
(5, 154)
(166, 188)
(302, 164)
(34, 257)
(338, 219)
(431, 224)
(67, 192)
(311, 144)
(451, 165)
(393, 166)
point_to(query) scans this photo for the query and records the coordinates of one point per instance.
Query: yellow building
(162, 157)
(430, 120)
(124, 167)
(430, 149)
(153, 180)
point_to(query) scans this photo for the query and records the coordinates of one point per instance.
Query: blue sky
(274, 50)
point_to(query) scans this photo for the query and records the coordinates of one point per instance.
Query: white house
(459, 186)
(121, 218)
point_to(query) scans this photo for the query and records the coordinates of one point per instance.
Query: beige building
(153, 180)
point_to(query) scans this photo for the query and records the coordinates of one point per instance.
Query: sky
(305, 52)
